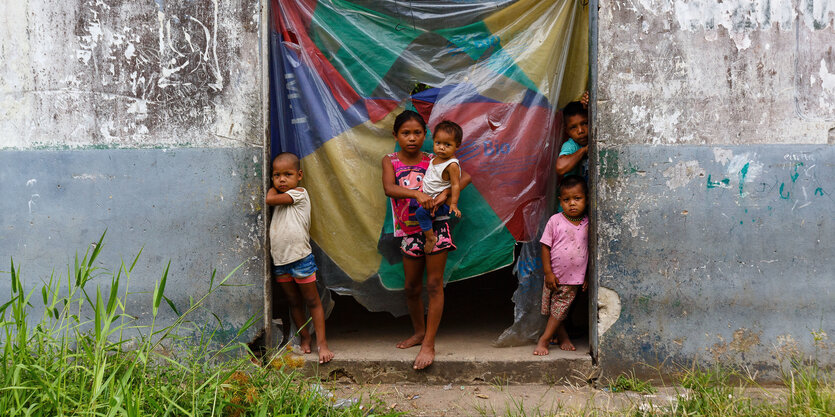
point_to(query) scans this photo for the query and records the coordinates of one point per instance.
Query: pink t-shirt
(569, 248)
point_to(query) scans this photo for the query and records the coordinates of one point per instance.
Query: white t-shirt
(290, 229)
(433, 181)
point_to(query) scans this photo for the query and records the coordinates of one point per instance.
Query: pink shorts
(290, 278)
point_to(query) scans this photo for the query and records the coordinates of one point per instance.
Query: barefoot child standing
(403, 173)
(294, 267)
(565, 256)
(443, 172)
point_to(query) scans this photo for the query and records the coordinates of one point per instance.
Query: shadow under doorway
(476, 312)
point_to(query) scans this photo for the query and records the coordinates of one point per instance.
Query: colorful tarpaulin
(342, 71)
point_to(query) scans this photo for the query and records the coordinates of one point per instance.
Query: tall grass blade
(159, 289)
(171, 304)
(96, 250)
(133, 264)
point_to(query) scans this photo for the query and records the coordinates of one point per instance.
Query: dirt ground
(519, 400)
(501, 400)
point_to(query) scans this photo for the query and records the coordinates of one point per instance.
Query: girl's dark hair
(571, 181)
(405, 116)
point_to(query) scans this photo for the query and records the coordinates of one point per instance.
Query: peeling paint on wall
(130, 75)
(717, 73)
(681, 173)
(129, 116)
(696, 282)
(723, 156)
(608, 309)
(739, 15)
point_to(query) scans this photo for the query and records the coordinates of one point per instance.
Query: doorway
(292, 112)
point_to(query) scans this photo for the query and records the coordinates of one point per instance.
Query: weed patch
(631, 383)
(76, 360)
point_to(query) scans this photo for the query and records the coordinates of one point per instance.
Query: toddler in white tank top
(443, 172)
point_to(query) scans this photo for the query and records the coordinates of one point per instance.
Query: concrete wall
(714, 124)
(145, 119)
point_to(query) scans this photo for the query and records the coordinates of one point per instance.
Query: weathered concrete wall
(715, 124)
(145, 119)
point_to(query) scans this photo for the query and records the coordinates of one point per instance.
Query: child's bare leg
(565, 342)
(413, 269)
(550, 328)
(294, 298)
(317, 313)
(435, 288)
(431, 240)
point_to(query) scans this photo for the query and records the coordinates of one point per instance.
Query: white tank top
(433, 181)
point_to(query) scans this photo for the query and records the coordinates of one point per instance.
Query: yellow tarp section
(345, 217)
(543, 21)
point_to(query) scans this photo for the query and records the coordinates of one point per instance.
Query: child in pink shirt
(565, 256)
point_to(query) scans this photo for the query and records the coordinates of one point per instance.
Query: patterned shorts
(412, 245)
(556, 302)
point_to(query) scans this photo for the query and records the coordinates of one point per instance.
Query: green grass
(716, 391)
(77, 360)
(721, 391)
(631, 383)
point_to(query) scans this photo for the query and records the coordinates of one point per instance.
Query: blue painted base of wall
(718, 254)
(200, 209)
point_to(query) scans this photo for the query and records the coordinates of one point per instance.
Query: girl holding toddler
(403, 173)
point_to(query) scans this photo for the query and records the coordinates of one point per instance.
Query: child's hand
(551, 281)
(585, 100)
(440, 199)
(585, 286)
(454, 209)
(425, 201)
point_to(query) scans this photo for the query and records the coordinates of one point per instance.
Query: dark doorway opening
(476, 310)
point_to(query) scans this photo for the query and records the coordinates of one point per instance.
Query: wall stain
(742, 173)
(796, 174)
(720, 184)
(608, 159)
(744, 340)
(788, 194)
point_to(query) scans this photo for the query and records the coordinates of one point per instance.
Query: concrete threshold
(464, 354)
(364, 343)
(460, 359)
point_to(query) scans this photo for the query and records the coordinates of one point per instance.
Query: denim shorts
(302, 268)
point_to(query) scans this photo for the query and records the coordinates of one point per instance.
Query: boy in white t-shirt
(294, 266)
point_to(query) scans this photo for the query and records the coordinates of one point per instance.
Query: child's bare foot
(541, 348)
(325, 354)
(430, 244)
(424, 358)
(567, 345)
(415, 339)
(305, 344)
